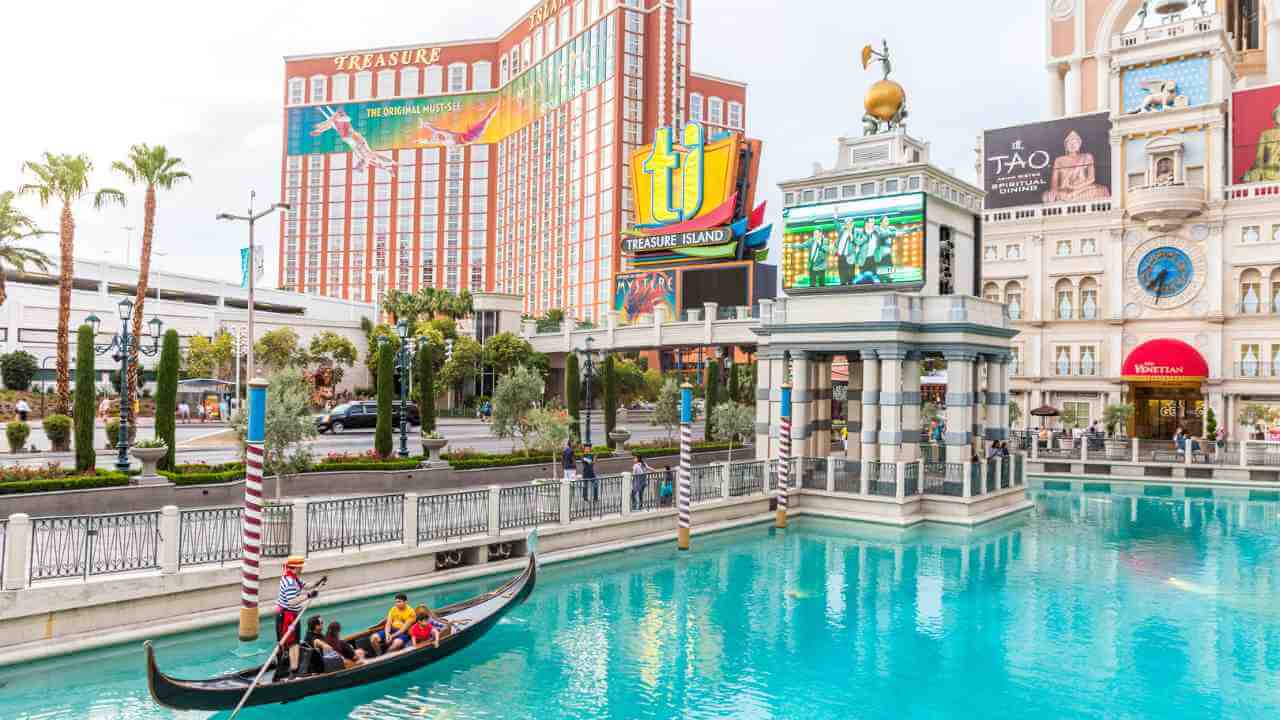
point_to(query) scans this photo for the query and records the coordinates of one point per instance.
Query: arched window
(1064, 294)
(341, 87)
(1251, 292)
(1275, 291)
(408, 81)
(1013, 300)
(386, 83)
(481, 75)
(735, 115)
(715, 111)
(991, 292)
(1089, 307)
(695, 107)
(434, 84)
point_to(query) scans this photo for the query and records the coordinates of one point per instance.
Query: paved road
(460, 433)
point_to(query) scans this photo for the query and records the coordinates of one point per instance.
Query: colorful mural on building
(642, 293)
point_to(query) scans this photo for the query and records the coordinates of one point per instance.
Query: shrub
(150, 443)
(113, 432)
(167, 395)
(85, 393)
(18, 369)
(572, 393)
(80, 482)
(58, 429)
(426, 387)
(17, 432)
(712, 397)
(609, 378)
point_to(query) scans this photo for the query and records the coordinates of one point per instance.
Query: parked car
(355, 415)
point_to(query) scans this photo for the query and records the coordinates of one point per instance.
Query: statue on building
(885, 101)
(1074, 176)
(1161, 95)
(1266, 163)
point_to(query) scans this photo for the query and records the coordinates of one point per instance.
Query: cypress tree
(382, 444)
(426, 388)
(735, 394)
(167, 396)
(572, 393)
(610, 378)
(86, 457)
(712, 396)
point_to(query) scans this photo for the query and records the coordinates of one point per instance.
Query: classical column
(890, 404)
(978, 418)
(1273, 41)
(910, 449)
(853, 407)
(801, 403)
(822, 407)
(959, 406)
(870, 407)
(1073, 88)
(1054, 76)
(997, 425)
(768, 378)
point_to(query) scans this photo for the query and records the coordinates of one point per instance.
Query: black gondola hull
(224, 693)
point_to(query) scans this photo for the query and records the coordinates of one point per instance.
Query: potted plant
(149, 452)
(1115, 418)
(17, 432)
(432, 443)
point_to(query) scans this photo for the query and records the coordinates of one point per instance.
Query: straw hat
(295, 561)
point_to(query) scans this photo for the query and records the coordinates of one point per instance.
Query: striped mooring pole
(686, 442)
(251, 519)
(784, 456)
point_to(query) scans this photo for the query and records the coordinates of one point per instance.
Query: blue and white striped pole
(686, 441)
(251, 518)
(784, 456)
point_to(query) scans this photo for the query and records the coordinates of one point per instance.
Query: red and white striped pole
(686, 463)
(251, 519)
(784, 456)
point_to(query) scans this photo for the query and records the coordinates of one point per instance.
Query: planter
(620, 437)
(431, 447)
(149, 457)
(694, 315)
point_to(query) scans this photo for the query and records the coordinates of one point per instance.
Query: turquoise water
(1089, 606)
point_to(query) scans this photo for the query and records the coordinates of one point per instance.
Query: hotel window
(891, 186)
(1013, 252)
(715, 111)
(632, 44)
(515, 61)
(526, 53)
(1275, 291)
(1250, 234)
(1065, 300)
(1088, 360)
(434, 80)
(1088, 246)
(1013, 300)
(1251, 292)
(1089, 299)
(565, 31)
(991, 292)
(386, 83)
(579, 15)
(829, 193)
(808, 196)
(1064, 248)
(408, 82)
(297, 90)
(364, 85)
(913, 182)
(457, 77)
(537, 43)
(502, 71)
(789, 199)
(1062, 360)
(634, 23)
(341, 87)
(989, 253)
(1075, 414)
(481, 75)
(735, 115)
(319, 88)
(848, 191)
(1250, 356)
(868, 188)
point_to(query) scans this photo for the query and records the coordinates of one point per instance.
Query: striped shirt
(290, 595)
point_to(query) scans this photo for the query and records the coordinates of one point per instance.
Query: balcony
(1142, 36)
(1164, 208)
(1257, 370)
(1076, 369)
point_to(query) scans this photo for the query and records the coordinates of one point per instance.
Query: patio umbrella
(1045, 411)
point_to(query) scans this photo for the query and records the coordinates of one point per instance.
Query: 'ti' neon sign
(662, 165)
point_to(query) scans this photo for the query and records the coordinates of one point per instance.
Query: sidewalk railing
(452, 515)
(705, 482)
(214, 535)
(847, 475)
(648, 490)
(595, 498)
(84, 545)
(746, 478)
(883, 478)
(524, 506)
(354, 522)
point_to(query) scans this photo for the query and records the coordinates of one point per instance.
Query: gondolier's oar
(289, 631)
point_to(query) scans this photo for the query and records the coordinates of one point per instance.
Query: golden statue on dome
(885, 101)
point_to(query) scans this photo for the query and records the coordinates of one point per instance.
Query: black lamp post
(120, 343)
(588, 372)
(404, 372)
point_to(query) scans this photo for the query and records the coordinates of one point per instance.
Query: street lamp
(120, 343)
(252, 218)
(588, 372)
(404, 372)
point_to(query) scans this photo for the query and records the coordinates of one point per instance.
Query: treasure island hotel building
(528, 199)
(1134, 233)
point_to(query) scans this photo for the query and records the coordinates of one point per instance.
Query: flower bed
(204, 474)
(467, 459)
(16, 480)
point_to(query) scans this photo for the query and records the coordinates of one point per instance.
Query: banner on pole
(259, 265)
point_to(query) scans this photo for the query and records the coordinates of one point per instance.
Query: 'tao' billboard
(1058, 161)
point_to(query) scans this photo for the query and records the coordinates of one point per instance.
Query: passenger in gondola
(315, 648)
(428, 628)
(395, 633)
(333, 638)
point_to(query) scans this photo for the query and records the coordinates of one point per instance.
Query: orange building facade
(495, 165)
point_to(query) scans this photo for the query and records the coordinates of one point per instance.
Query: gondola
(474, 617)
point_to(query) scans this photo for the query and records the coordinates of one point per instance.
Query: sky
(206, 80)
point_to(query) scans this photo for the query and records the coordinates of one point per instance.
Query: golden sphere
(884, 99)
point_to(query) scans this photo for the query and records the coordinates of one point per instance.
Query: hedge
(654, 451)
(474, 461)
(76, 482)
(394, 464)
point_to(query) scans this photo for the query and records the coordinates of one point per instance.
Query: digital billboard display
(1066, 160)
(1255, 135)
(868, 243)
(641, 293)
(726, 285)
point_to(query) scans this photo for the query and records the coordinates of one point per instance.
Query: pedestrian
(567, 461)
(104, 408)
(589, 478)
(640, 471)
(23, 409)
(667, 489)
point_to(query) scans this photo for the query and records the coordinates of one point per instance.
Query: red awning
(1164, 360)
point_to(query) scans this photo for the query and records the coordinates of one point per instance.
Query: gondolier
(289, 601)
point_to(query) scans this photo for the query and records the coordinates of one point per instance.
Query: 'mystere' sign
(671, 241)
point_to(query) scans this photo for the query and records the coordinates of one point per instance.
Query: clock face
(1165, 272)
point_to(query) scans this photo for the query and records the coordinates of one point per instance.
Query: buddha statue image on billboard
(1266, 161)
(1074, 176)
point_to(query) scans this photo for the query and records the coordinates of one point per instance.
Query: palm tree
(154, 168)
(15, 227)
(64, 179)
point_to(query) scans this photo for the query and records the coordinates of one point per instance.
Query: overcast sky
(205, 79)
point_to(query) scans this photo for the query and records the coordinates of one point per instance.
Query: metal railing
(354, 522)
(453, 515)
(84, 545)
(746, 478)
(595, 497)
(522, 506)
(848, 475)
(911, 479)
(883, 479)
(993, 477)
(1017, 469)
(1257, 369)
(215, 535)
(1070, 452)
(810, 472)
(932, 453)
(653, 490)
(1260, 453)
(704, 482)
(1004, 471)
(944, 478)
(1020, 439)
(975, 479)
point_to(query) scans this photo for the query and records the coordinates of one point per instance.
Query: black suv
(352, 415)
